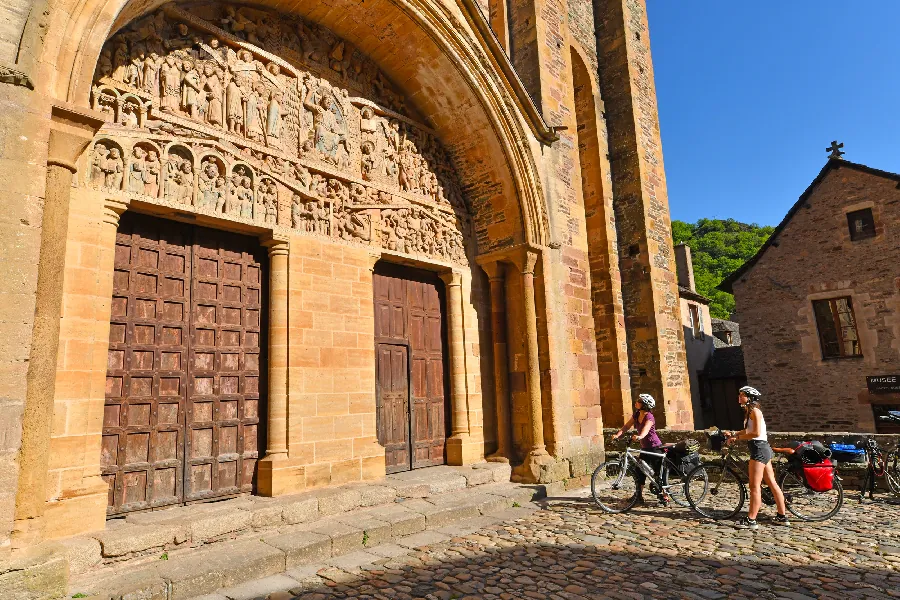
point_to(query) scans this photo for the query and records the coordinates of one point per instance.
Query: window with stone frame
(696, 322)
(836, 322)
(861, 224)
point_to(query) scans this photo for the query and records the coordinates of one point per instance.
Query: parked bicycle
(881, 464)
(614, 483)
(724, 493)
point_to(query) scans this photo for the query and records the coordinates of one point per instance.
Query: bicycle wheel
(678, 487)
(613, 489)
(892, 471)
(806, 503)
(718, 495)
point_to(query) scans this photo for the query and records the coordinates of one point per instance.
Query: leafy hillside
(718, 248)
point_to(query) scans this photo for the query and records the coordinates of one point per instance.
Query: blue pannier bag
(847, 453)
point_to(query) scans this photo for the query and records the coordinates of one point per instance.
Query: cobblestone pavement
(572, 550)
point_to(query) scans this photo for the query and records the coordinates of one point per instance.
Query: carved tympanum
(236, 110)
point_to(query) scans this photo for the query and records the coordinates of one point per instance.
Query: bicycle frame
(741, 467)
(632, 454)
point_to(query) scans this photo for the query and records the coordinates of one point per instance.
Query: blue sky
(751, 93)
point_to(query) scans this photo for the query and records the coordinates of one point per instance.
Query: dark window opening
(837, 328)
(884, 425)
(861, 223)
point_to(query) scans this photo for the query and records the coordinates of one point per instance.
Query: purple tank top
(652, 439)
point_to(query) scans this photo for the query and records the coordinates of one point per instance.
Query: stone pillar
(656, 352)
(496, 275)
(538, 459)
(277, 406)
(460, 447)
(71, 130)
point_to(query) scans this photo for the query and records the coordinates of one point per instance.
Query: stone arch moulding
(438, 60)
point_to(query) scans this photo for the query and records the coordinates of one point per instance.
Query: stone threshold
(189, 551)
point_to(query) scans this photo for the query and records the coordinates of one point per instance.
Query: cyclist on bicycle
(645, 423)
(760, 464)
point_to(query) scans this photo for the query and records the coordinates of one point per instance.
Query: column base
(497, 457)
(540, 467)
(279, 475)
(464, 449)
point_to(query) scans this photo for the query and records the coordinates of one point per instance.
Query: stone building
(273, 247)
(819, 305)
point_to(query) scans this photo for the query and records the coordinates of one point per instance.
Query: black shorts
(760, 451)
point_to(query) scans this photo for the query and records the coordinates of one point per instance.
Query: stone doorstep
(192, 572)
(152, 533)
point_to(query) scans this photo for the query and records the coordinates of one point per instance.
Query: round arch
(424, 47)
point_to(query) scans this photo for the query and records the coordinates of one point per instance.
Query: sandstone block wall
(813, 258)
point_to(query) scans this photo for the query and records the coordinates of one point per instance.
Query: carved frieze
(252, 115)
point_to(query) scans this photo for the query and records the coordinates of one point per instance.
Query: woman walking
(645, 423)
(760, 465)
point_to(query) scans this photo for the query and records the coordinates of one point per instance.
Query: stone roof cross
(835, 150)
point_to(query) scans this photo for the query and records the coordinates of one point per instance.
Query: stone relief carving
(227, 109)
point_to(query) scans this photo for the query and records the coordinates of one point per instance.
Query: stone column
(495, 272)
(538, 458)
(277, 408)
(71, 130)
(458, 397)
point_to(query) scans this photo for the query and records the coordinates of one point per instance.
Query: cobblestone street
(570, 549)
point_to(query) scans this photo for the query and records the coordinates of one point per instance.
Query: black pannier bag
(684, 456)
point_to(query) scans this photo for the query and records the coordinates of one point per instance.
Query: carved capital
(71, 130)
(495, 270)
(451, 278)
(278, 244)
(374, 257)
(525, 259)
(113, 209)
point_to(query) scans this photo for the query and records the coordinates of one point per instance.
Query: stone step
(174, 572)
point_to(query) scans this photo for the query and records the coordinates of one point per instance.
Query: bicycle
(614, 483)
(725, 494)
(881, 464)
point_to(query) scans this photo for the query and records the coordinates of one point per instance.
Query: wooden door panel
(392, 394)
(143, 427)
(223, 402)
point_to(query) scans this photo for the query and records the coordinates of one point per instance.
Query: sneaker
(663, 500)
(746, 523)
(781, 520)
(640, 501)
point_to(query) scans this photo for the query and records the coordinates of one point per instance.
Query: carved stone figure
(233, 201)
(172, 183)
(234, 105)
(354, 226)
(193, 100)
(134, 72)
(253, 117)
(98, 177)
(151, 174)
(170, 83)
(208, 183)
(369, 164)
(213, 90)
(113, 170)
(186, 182)
(150, 75)
(120, 62)
(327, 130)
(245, 196)
(136, 171)
(273, 120)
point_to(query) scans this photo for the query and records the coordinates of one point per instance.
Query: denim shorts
(760, 451)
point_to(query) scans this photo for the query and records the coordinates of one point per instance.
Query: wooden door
(181, 418)
(392, 402)
(429, 417)
(408, 315)
(222, 412)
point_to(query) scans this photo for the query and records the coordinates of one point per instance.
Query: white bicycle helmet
(752, 392)
(648, 401)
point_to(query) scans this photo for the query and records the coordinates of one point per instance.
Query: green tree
(718, 248)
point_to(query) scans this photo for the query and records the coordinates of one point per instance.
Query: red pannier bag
(817, 467)
(820, 477)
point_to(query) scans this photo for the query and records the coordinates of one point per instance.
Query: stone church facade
(270, 248)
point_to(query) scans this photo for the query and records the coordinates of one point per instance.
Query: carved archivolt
(252, 115)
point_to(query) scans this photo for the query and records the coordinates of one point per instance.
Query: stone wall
(811, 259)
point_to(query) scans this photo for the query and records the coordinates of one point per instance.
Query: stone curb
(192, 572)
